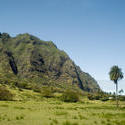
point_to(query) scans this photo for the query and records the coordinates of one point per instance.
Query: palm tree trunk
(117, 103)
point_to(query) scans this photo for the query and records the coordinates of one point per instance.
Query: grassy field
(55, 112)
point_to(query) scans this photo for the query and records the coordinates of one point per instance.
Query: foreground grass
(55, 112)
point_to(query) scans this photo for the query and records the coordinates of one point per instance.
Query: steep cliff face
(27, 57)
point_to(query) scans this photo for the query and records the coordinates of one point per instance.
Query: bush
(122, 98)
(5, 94)
(104, 99)
(36, 88)
(23, 85)
(98, 97)
(70, 96)
(91, 97)
(47, 92)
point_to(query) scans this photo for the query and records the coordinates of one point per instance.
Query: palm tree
(116, 74)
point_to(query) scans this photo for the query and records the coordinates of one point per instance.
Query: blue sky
(92, 32)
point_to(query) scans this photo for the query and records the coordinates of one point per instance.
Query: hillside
(26, 60)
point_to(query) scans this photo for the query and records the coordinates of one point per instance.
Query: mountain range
(27, 60)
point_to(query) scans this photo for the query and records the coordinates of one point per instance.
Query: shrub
(47, 92)
(104, 99)
(70, 96)
(101, 97)
(91, 97)
(122, 98)
(23, 85)
(5, 94)
(36, 88)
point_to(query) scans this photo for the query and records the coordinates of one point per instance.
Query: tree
(5, 94)
(5, 36)
(116, 74)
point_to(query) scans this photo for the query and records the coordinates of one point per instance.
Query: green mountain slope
(27, 59)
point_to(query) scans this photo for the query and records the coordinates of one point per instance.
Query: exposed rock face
(27, 57)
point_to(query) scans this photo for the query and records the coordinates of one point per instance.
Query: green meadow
(37, 110)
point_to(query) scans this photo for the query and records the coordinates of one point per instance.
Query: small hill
(26, 61)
